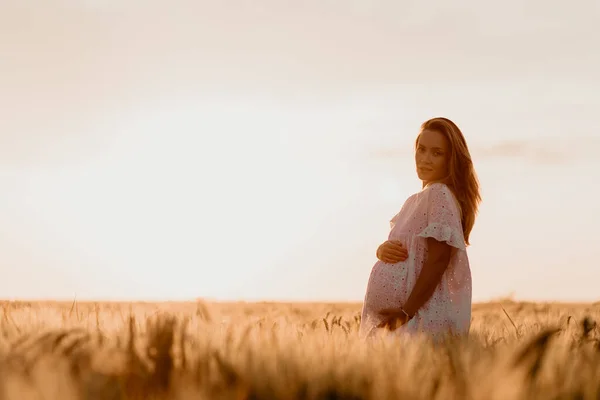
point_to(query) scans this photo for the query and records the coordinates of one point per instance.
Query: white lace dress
(432, 212)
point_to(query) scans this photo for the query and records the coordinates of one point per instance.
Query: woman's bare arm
(438, 258)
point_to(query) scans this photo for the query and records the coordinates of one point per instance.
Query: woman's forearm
(431, 274)
(423, 289)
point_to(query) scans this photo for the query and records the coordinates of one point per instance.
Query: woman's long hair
(462, 178)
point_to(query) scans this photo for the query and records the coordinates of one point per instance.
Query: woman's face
(431, 157)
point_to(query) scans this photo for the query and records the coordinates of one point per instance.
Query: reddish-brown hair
(462, 179)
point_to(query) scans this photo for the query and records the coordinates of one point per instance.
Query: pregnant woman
(422, 281)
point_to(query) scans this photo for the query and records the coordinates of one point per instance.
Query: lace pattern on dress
(443, 216)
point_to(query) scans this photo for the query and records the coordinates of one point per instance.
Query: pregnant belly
(387, 286)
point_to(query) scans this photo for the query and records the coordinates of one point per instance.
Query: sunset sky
(256, 150)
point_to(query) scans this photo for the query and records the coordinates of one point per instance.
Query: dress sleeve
(393, 221)
(443, 216)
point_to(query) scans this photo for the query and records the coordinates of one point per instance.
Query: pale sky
(256, 150)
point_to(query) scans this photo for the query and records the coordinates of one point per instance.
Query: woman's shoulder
(439, 192)
(437, 187)
(436, 192)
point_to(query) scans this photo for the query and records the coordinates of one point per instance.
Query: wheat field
(202, 350)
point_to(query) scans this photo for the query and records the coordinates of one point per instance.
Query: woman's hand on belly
(392, 252)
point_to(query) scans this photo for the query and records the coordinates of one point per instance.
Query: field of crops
(200, 350)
